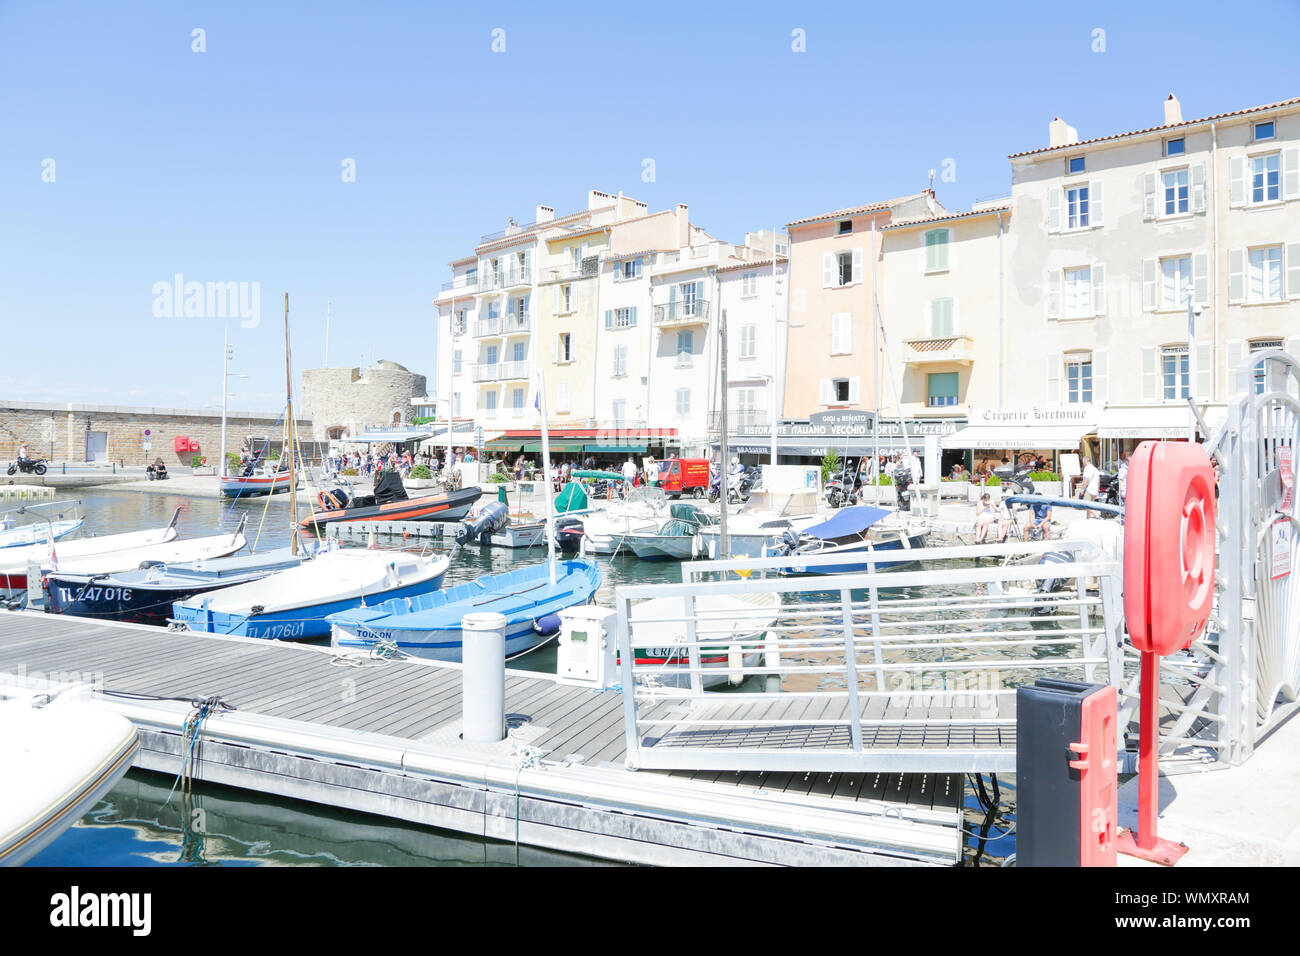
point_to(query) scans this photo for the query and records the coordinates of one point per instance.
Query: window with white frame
(1175, 147)
(490, 400)
(690, 297)
(1076, 207)
(685, 343)
(620, 360)
(1175, 281)
(517, 400)
(461, 322)
(1078, 292)
(840, 391)
(519, 352)
(844, 270)
(562, 397)
(936, 250)
(1263, 178)
(566, 298)
(842, 333)
(1078, 379)
(1265, 130)
(941, 318)
(456, 359)
(630, 269)
(748, 284)
(1266, 274)
(1259, 372)
(622, 318)
(941, 389)
(748, 341)
(1175, 182)
(494, 310)
(564, 347)
(683, 402)
(490, 356)
(845, 227)
(1174, 373)
(1075, 164)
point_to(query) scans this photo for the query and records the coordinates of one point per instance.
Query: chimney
(1061, 133)
(1173, 111)
(683, 226)
(618, 207)
(545, 213)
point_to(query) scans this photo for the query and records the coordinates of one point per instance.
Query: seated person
(1038, 520)
(157, 469)
(984, 516)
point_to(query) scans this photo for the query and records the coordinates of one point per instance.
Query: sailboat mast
(546, 473)
(288, 391)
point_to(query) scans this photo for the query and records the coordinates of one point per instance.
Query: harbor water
(142, 822)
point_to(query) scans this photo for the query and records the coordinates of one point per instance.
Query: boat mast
(723, 552)
(546, 472)
(288, 391)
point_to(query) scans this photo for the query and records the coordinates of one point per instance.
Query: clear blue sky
(225, 165)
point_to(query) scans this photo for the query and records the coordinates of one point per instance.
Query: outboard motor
(789, 541)
(568, 534)
(493, 517)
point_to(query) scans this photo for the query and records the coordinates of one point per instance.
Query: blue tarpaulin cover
(846, 521)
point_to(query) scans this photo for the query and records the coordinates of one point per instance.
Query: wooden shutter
(1291, 172)
(562, 397)
(1201, 278)
(857, 265)
(1234, 377)
(1054, 294)
(847, 335)
(631, 316)
(1198, 188)
(1236, 275)
(1204, 372)
(609, 318)
(825, 395)
(1094, 202)
(1098, 289)
(1149, 196)
(855, 385)
(555, 300)
(1236, 181)
(1054, 209)
(1100, 369)
(828, 270)
(1053, 378)
(1291, 270)
(555, 348)
(1150, 285)
(1149, 373)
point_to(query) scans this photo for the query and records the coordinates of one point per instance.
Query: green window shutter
(632, 312)
(609, 318)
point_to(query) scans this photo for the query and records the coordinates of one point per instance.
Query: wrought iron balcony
(585, 269)
(950, 349)
(684, 312)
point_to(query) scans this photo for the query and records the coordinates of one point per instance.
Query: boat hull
(855, 556)
(662, 547)
(36, 534)
(236, 487)
(450, 506)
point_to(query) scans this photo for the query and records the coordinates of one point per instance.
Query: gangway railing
(880, 670)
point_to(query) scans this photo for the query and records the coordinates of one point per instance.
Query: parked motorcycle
(738, 486)
(902, 478)
(844, 488)
(28, 466)
(1109, 488)
(1015, 479)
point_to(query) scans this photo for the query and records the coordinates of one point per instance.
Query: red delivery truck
(684, 476)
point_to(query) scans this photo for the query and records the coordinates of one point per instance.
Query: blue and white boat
(855, 532)
(428, 625)
(18, 536)
(146, 595)
(294, 604)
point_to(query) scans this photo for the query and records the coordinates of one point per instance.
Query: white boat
(605, 531)
(762, 522)
(676, 539)
(17, 536)
(737, 622)
(293, 604)
(14, 561)
(59, 760)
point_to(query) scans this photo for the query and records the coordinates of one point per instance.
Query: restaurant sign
(1035, 415)
(850, 424)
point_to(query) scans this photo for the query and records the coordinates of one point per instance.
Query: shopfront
(1122, 428)
(1041, 433)
(852, 434)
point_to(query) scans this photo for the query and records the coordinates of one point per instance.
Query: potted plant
(421, 477)
(199, 465)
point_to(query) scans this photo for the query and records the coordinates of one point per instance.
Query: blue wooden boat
(854, 532)
(428, 625)
(294, 604)
(146, 595)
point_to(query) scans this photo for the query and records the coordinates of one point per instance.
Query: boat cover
(846, 521)
(572, 498)
(389, 487)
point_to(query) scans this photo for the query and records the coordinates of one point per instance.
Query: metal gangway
(1241, 678)
(880, 670)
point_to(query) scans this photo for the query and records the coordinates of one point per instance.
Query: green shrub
(1044, 476)
(882, 480)
(421, 471)
(991, 481)
(830, 464)
(196, 461)
(232, 463)
(349, 472)
(498, 477)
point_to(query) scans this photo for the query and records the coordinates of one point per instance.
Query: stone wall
(59, 433)
(355, 399)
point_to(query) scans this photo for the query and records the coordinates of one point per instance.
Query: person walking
(1122, 478)
(629, 475)
(1090, 482)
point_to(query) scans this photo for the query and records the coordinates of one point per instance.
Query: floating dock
(383, 737)
(14, 492)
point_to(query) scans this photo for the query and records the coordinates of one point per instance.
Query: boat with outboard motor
(854, 533)
(676, 539)
(389, 502)
(738, 622)
(428, 625)
(294, 604)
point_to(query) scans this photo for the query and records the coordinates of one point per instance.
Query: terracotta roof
(535, 230)
(585, 232)
(987, 210)
(1153, 129)
(752, 263)
(617, 256)
(856, 210)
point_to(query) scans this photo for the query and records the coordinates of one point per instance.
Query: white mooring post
(483, 680)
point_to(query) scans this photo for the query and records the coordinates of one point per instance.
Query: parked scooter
(1015, 479)
(738, 486)
(844, 488)
(902, 477)
(28, 466)
(1109, 488)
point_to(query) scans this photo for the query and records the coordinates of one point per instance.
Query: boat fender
(735, 660)
(548, 625)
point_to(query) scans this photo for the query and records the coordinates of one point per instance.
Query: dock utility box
(588, 646)
(1067, 797)
(684, 476)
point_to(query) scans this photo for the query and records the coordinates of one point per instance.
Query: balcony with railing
(513, 278)
(739, 419)
(509, 324)
(501, 371)
(682, 312)
(585, 269)
(945, 350)
(467, 283)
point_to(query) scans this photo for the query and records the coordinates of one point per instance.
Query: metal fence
(875, 671)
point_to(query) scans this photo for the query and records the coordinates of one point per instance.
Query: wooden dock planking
(408, 701)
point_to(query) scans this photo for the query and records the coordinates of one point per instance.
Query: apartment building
(1114, 235)
(831, 270)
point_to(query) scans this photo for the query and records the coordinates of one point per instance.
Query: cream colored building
(1112, 235)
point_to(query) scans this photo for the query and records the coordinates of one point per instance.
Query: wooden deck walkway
(384, 738)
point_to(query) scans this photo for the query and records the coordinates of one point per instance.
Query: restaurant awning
(1153, 421)
(1013, 436)
(817, 447)
(615, 449)
(394, 435)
